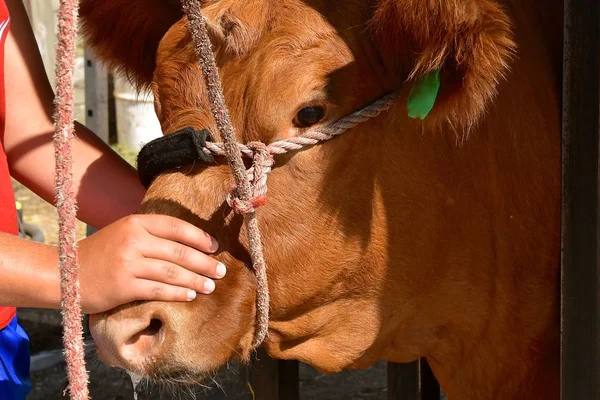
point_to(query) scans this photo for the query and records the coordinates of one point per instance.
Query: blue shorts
(14, 362)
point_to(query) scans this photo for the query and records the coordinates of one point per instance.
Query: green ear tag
(423, 95)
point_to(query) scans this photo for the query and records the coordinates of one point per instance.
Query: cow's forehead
(303, 22)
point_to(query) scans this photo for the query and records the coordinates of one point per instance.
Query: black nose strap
(171, 151)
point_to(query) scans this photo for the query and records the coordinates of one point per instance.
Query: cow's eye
(309, 116)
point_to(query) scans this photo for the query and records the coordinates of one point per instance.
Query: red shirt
(8, 211)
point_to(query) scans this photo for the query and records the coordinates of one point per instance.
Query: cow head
(345, 223)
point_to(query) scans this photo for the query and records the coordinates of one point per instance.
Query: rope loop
(262, 163)
(250, 188)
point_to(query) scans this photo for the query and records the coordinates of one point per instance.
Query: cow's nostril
(152, 330)
(145, 343)
(154, 327)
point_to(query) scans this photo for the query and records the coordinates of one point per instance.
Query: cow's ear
(125, 34)
(465, 46)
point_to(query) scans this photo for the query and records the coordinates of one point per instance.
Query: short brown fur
(391, 242)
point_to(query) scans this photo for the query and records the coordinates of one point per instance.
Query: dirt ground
(41, 214)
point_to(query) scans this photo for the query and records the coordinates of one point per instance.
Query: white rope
(315, 136)
(263, 154)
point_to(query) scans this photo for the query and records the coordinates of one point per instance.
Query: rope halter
(250, 187)
(262, 161)
(155, 157)
(262, 154)
(188, 146)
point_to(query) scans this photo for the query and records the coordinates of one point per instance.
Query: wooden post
(403, 381)
(430, 388)
(96, 97)
(580, 272)
(97, 110)
(43, 15)
(289, 380)
(27, 4)
(412, 381)
(269, 379)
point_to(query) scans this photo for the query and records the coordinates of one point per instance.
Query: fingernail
(214, 245)
(191, 295)
(221, 270)
(209, 286)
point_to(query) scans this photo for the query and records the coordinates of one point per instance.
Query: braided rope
(66, 201)
(250, 187)
(258, 176)
(250, 191)
(315, 136)
(243, 190)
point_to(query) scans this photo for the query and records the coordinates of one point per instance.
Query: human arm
(141, 257)
(107, 187)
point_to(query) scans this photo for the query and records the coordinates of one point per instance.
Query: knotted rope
(263, 154)
(251, 186)
(248, 194)
(243, 190)
(262, 161)
(66, 202)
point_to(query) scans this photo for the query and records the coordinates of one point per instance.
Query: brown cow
(403, 238)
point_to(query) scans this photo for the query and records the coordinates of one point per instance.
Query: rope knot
(262, 162)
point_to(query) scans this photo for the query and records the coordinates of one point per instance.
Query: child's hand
(146, 257)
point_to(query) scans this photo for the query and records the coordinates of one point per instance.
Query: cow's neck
(486, 313)
(473, 358)
(531, 376)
